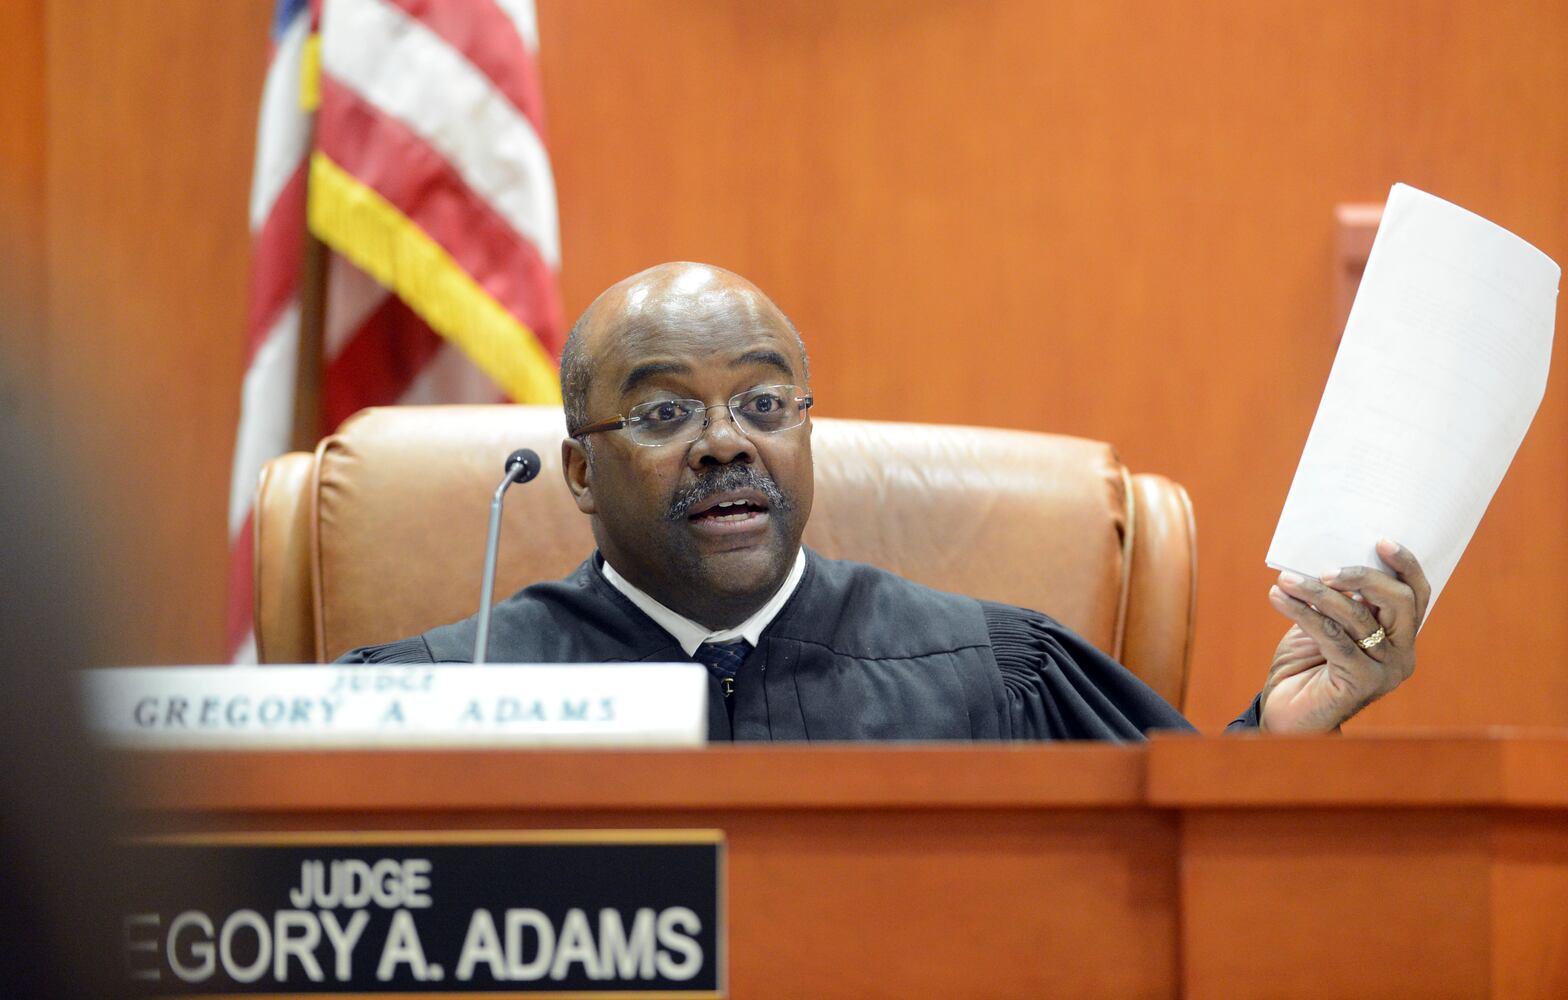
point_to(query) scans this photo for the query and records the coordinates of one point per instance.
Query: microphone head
(528, 459)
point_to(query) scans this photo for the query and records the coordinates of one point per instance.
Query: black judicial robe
(857, 653)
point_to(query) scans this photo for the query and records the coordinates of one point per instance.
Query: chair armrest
(285, 593)
(1163, 587)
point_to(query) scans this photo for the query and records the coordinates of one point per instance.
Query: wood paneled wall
(23, 276)
(145, 157)
(1112, 219)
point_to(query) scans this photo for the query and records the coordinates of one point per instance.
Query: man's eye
(765, 403)
(664, 412)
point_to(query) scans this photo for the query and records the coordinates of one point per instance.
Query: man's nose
(722, 440)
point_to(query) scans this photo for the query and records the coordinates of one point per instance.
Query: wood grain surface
(1383, 866)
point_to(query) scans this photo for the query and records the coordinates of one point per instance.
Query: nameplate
(384, 706)
(552, 913)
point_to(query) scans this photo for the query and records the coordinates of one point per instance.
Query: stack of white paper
(1440, 371)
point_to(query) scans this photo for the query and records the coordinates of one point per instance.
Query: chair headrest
(402, 495)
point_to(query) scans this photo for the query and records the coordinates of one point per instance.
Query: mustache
(723, 480)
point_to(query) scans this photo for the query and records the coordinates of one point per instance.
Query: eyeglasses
(766, 409)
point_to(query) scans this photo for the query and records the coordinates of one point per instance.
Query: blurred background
(1108, 219)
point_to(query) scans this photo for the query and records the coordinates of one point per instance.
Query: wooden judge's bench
(1420, 866)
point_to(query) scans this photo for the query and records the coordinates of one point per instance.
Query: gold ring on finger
(1373, 639)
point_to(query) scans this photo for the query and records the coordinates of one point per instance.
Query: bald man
(687, 396)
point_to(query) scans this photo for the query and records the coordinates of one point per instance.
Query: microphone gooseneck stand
(521, 466)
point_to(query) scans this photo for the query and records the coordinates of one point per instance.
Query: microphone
(521, 466)
(528, 459)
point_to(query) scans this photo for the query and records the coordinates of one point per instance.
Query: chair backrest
(380, 533)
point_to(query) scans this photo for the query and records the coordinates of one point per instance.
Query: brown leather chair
(380, 533)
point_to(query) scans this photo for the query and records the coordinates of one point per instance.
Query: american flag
(411, 134)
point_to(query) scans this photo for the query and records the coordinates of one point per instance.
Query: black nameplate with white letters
(557, 912)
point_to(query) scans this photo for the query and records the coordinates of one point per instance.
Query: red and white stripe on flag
(431, 184)
(430, 173)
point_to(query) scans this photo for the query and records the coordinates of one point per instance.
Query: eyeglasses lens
(765, 410)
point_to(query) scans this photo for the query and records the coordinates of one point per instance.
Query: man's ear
(579, 474)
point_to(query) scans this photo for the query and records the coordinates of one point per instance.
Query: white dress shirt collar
(688, 633)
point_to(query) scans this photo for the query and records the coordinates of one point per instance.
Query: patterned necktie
(722, 660)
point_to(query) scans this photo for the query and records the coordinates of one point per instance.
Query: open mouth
(727, 511)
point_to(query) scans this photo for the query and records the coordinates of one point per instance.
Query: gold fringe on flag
(310, 73)
(354, 220)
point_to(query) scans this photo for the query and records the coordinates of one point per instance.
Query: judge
(687, 397)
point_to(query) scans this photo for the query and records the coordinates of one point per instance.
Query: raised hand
(1353, 641)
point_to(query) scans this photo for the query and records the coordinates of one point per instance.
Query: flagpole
(312, 321)
(314, 257)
